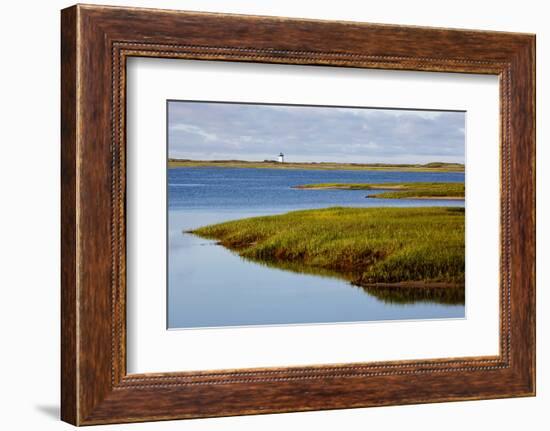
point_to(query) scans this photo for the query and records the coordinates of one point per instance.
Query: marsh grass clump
(415, 247)
(398, 190)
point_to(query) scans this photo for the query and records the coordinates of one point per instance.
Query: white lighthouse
(281, 158)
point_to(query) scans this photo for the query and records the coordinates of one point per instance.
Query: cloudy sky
(217, 131)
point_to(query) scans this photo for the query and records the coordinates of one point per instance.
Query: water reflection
(450, 295)
(410, 293)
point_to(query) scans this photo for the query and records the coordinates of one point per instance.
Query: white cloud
(189, 128)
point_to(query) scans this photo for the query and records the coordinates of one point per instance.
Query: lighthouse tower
(281, 158)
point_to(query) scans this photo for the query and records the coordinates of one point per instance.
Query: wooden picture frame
(95, 43)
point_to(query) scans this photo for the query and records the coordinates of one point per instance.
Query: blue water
(210, 286)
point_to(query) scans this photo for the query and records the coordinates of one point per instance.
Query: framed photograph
(263, 214)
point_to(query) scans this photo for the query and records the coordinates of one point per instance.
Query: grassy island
(272, 164)
(398, 191)
(417, 251)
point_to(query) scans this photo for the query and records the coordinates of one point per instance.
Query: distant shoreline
(268, 164)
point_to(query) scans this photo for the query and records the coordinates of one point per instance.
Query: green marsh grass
(398, 190)
(375, 248)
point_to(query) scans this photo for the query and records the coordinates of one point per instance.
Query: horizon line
(289, 162)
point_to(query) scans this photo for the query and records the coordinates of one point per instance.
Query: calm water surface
(210, 286)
